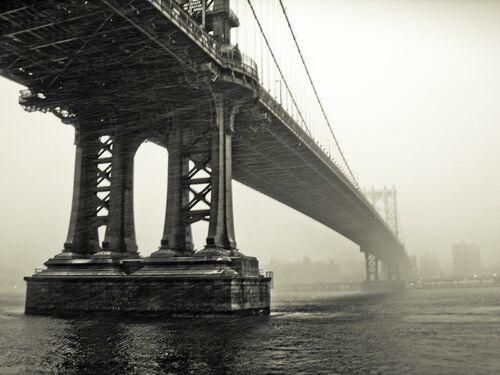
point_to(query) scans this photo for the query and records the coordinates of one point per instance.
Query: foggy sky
(413, 91)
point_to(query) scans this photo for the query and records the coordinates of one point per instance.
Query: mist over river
(432, 331)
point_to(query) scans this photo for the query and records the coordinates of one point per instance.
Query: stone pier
(180, 286)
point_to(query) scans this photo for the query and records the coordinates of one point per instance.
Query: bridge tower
(217, 278)
(197, 131)
(385, 202)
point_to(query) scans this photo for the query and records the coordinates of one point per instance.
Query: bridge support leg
(177, 237)
(373, 283)
(82, 239)
(371, 267)
(120, 241)
(221, 237)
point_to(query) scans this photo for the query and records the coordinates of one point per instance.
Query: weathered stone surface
(129, 294)
(173, 287)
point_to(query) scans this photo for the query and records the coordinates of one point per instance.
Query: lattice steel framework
(102, 190)
(198, 181)
(385, 201)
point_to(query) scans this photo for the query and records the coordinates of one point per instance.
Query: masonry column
(221, 237)
(120, 241)
(177, 237)
(82, 239)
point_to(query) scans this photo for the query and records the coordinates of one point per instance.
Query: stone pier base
(383, 286)
(175, 286)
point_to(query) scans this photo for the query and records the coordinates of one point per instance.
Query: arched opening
(101, 231)
(150, 190)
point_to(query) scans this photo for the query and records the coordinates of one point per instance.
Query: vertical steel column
(371, 267)
(177, 237)
(120, 233)
(82, 239)
(221, 226)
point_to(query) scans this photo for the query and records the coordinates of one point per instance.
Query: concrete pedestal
(151, 286)
(383, 286)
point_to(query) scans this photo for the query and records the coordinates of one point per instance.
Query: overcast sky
(413, 90)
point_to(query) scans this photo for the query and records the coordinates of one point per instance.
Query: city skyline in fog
(412, 89)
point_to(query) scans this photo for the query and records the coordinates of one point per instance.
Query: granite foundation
(171, 286)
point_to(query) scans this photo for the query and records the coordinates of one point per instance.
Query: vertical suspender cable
(278, 67)
(316, 93)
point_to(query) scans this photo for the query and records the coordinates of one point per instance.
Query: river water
(433, 331)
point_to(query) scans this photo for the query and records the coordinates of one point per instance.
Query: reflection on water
(122, 347)
(420, 332)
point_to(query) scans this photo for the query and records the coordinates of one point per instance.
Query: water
(444, 331)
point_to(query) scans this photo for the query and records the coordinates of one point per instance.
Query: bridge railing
(249, 64)
(265, 34)
(188, 24)
(198, 34)
(279, 111)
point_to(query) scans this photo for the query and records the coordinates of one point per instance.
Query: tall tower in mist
(385, 202)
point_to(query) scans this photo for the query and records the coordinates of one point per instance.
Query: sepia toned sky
(413, 91)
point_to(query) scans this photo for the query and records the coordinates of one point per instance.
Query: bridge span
(122, 72)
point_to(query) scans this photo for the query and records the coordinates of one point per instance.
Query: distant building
(466, 259)
(429, 267)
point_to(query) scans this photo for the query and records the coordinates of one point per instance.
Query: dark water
(447, 331)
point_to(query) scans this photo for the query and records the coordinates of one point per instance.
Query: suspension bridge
(226, 89)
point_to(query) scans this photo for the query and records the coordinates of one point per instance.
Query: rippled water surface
(445, 331)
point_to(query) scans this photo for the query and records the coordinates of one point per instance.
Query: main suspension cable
(277, 65)
(316, 93)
